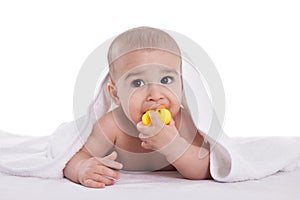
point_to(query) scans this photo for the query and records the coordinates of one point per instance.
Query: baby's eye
(166, 80)
(137, 83)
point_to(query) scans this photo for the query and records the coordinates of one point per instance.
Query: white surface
(254, 44)
(155, 185)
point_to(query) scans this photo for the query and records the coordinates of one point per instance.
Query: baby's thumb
(112, 156)
(154, 118)
(109, 161)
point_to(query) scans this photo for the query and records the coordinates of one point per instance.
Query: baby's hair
(141, 38)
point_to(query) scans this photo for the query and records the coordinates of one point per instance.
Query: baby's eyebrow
(141, 72)
(170, 71)
(133, 74)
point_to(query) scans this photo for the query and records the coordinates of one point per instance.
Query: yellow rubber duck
(163, 113)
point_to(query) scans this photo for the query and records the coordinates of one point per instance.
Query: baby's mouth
(155, 107)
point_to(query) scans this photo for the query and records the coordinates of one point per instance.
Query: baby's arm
(194, 162)
(190, 160)
(88, 166)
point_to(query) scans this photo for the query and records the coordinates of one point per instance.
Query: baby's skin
(140, 81)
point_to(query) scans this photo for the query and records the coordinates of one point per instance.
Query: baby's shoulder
(107, 118)
(108, 126)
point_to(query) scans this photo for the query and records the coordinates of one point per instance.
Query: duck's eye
(166, 80)
(137, 83)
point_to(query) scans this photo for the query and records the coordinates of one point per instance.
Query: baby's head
(145, 72)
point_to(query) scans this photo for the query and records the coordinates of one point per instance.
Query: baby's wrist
(79, 168)
(175, 149)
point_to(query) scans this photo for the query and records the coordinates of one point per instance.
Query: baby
(145, 73)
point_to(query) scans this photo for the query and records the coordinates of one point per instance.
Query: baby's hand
(158, 135)
(96, 172)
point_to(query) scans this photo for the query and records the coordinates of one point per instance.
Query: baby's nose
(154, 93)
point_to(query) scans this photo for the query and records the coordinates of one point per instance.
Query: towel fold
(239, 159)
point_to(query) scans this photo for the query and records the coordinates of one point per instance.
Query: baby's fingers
(106, 172)
(93, 184)
(112, 164)
(109, 161)
(103, 179)
(155, 119)
(112, 156)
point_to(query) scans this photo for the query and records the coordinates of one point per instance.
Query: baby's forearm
(190, 160)
(191, 165)
(71, 169)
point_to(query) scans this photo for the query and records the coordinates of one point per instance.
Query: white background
(255, 46)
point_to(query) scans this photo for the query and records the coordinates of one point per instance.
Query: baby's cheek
(133, 111)
(174, 111)
(175, 105)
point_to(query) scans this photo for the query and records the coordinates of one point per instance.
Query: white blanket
(153, 185)
(231, 159)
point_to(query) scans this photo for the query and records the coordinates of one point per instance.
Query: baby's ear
(112, 90)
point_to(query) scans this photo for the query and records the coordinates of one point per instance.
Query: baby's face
(145, 79)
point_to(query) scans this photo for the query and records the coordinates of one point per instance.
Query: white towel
(231, 159)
